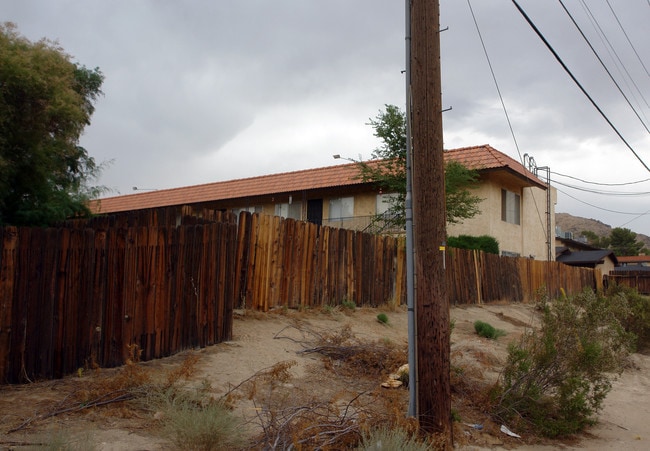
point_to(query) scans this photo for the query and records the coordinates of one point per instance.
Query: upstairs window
(341, 208)
(510, 207)
(289, 210)
(255, 209)
(384, 202)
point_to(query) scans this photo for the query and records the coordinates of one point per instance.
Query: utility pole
(429, 223)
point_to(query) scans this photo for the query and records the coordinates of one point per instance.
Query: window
(510, 254)
(256, 209)
(342, 207)
(292, 210)
(384, 202)
(510, 207)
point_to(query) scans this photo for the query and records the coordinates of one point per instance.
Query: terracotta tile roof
(634, 259)
(478, 157)
(327, 177)
(486, 157)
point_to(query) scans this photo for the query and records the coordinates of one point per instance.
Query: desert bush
(638, 320)
(64, 441)
(382, 318)
(386, 438)
(202, 427)
(556, 378)
(486, 330)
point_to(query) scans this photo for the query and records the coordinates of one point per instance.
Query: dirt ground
(262, 340)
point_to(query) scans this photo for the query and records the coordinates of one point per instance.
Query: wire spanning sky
(201, 91)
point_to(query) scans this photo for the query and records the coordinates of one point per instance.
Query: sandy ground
(262, 340)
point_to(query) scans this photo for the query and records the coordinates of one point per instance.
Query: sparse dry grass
(330, 406)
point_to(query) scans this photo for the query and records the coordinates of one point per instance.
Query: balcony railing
(368, 224)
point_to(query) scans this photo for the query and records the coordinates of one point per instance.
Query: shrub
(556, 379)
(385, 438)
(487, 330)
(483, 243)
(382, 318)
(202, 427)
(64, 441)
(638, 320)
(348, 305)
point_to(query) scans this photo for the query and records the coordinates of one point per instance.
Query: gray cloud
(199, 91)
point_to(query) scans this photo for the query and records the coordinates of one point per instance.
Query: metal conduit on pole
(410, 276)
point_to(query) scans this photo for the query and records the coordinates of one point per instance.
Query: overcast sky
(210, 90)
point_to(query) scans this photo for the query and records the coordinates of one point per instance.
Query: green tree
(388, 169)
(46, 100)
(595, 240)
(623, 242)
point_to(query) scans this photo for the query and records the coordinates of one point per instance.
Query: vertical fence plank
(8, 256)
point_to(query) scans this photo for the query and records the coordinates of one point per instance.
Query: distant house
(513, 209)
(574, 252)
(602, 259)
(634, 262)
(563, 244)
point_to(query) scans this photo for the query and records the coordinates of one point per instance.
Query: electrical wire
(635, 218)
(603, 65)
(627, 37)
(601, 208)
(604, 193)
(505, 111)
(611, 50)
(599, 183)
(575, 80)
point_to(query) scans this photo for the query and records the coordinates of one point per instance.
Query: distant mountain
(576, 224)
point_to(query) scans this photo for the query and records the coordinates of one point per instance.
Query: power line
(599, 183)
(494, 78)
(603, 65)
(635, 218)
(505, 111)
(600, 208)
(575, 80)
(627, 37)
(612, 51)
(605, 193)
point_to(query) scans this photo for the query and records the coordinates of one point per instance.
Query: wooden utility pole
(429, 222)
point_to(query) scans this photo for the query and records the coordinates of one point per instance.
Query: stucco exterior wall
(606, 267)
(525, 239)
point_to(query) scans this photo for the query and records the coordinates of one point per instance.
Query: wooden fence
(76, 297)
(636, 279)
(289, 263)
(477, 277)
(166, 280)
